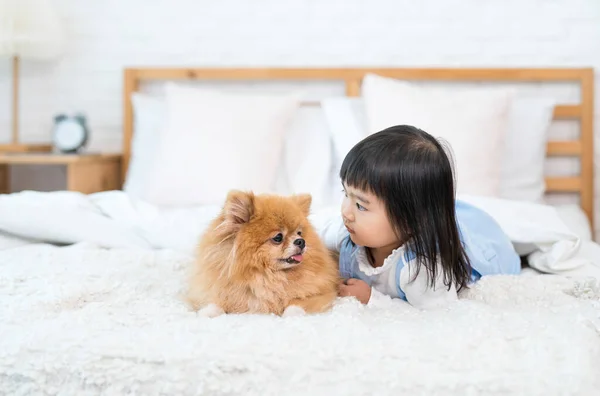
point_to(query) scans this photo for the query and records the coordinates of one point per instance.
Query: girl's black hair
(411, 173)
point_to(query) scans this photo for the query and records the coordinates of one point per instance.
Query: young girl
(402, 232)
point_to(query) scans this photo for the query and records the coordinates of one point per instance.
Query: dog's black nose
(300, 243)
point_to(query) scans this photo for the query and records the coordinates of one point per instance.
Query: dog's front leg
(312, 304)
(211, 311)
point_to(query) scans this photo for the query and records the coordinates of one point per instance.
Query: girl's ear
(303, 201)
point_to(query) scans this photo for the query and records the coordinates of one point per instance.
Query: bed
(90, 284)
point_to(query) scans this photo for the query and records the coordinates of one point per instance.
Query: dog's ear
(303, 201)
(238, 209)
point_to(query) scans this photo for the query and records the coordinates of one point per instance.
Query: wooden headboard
(582, 148)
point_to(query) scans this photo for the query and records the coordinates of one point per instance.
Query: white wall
(108, 35)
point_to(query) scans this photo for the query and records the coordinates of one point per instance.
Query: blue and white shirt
(488, 248)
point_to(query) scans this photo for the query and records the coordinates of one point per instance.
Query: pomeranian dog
(262, 255)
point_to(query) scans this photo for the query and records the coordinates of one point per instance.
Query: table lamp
(29, 29)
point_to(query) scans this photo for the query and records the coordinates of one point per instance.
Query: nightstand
(86, 173)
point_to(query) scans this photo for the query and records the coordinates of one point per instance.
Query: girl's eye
(278, 238)
(360, 207)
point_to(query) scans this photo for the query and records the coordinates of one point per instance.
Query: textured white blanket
(81, 320)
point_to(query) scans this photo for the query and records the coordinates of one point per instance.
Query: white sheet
(539, 231)
(82, 321)
(109, 219)
(114, 219)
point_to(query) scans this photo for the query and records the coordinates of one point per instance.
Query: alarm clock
(70, 133)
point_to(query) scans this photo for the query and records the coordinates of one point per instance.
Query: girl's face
(366, 219)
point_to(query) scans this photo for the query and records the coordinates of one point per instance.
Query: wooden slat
(556, 148)
(466, 74)
(587, 137)
(353, 87)
(563, 184)
(25, 148)
(56, 159)
(567, 111)
(15, 100)
(130, 85)
(244, 74)
(487, 74)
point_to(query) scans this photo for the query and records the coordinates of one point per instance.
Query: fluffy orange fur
(244, 264)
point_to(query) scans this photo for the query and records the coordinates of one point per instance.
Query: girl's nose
(347, 211)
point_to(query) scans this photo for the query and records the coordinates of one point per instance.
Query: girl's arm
(418, 290)
(330, 228)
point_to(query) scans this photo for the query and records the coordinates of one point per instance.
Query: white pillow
(347, 126)
(305, 168)
(576, 219)
(148, 119)
(525, 148)
(307, 156)
(524, 153)
(216, 141)
(472, 121)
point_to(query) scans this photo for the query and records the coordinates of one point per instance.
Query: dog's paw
(211, 311)
(294, 310)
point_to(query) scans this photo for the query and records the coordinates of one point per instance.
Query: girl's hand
(356, 288)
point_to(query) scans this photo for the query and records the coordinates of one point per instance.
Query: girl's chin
(355, 240)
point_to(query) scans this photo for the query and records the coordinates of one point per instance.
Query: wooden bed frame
(583, 148)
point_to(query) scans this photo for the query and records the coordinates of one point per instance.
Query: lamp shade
(30, 29)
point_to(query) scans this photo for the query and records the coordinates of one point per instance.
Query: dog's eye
(299, 233)
(278, 238)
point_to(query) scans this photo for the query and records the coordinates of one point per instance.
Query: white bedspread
(82, 320)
